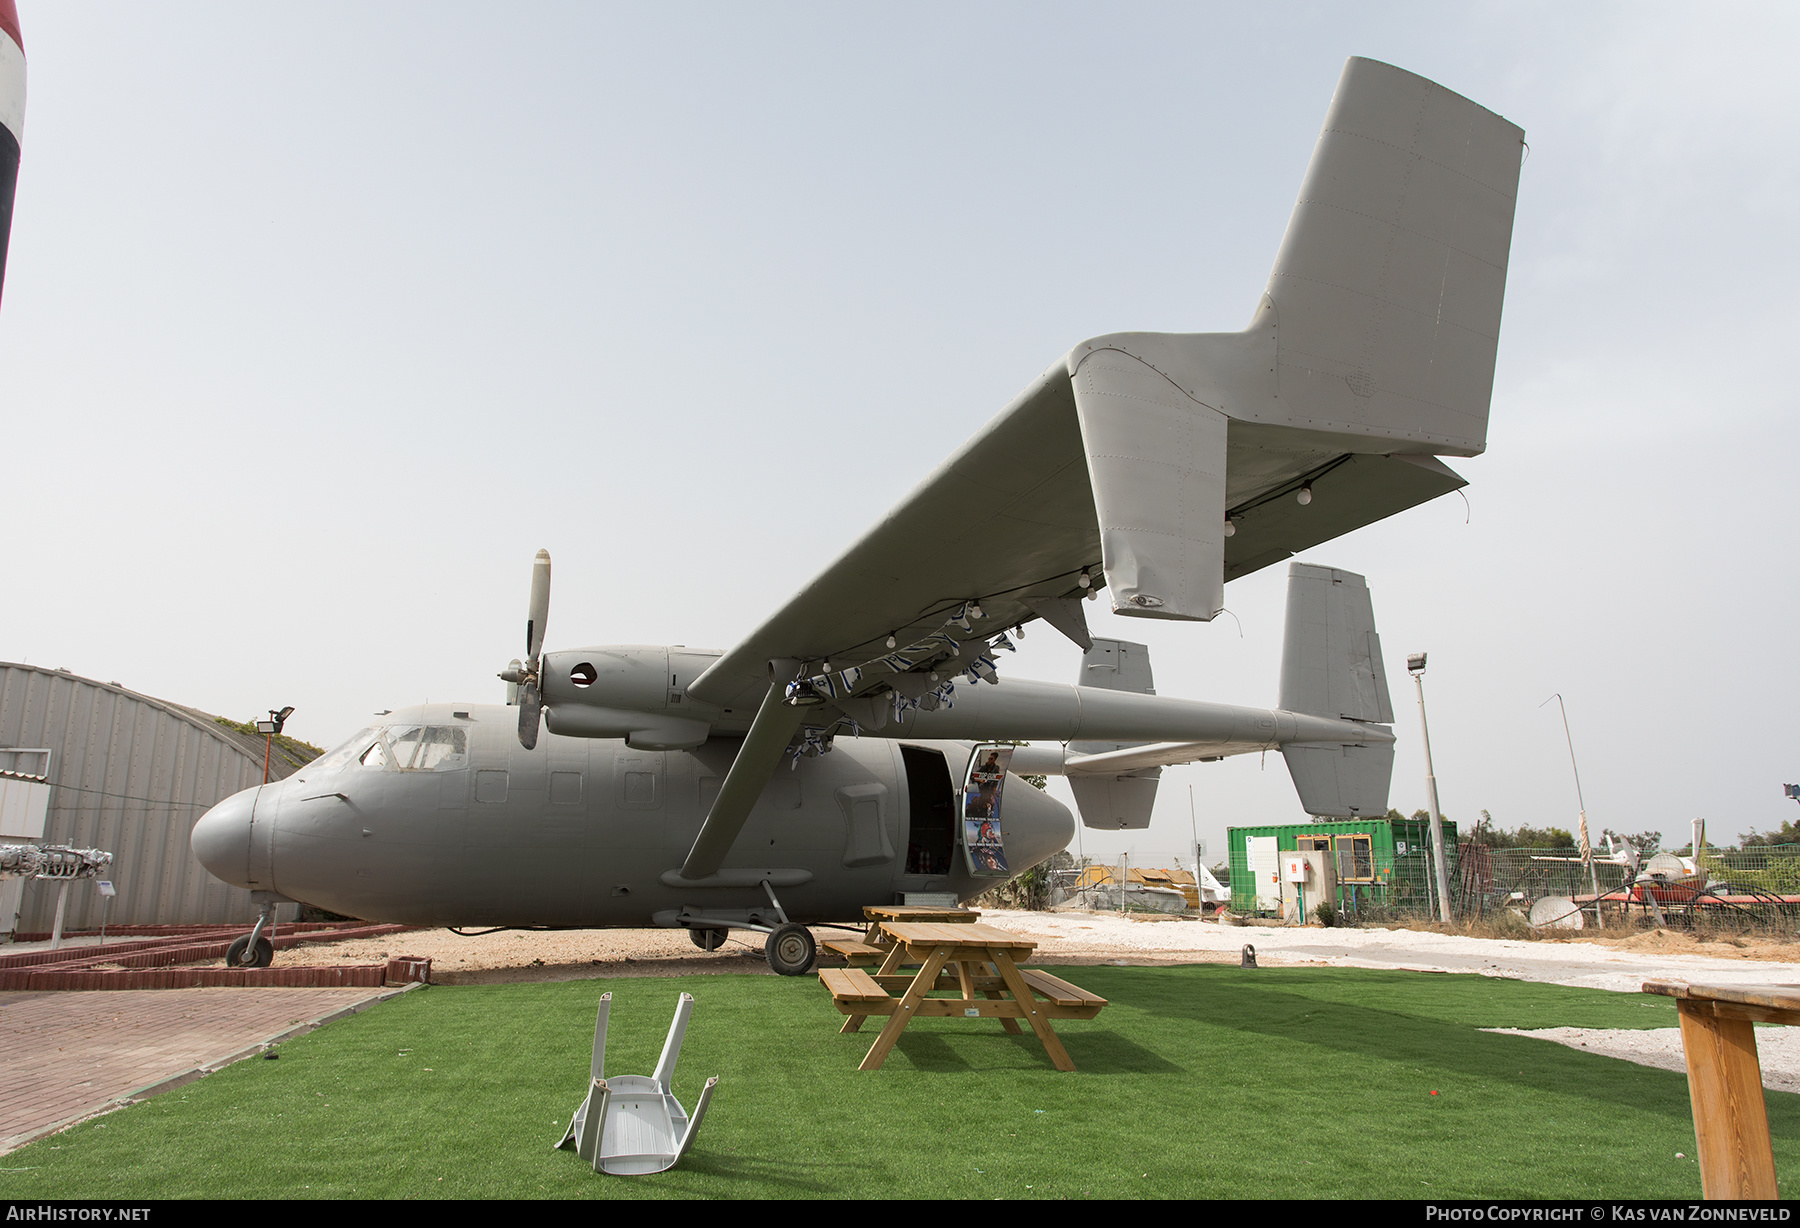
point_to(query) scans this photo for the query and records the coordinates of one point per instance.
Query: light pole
(1587, 849)
(1415, 665)
(269, 729)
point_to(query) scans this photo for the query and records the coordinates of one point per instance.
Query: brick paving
(72, 1054)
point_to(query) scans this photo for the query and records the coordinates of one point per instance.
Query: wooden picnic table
(873, 946)
(976, 963)
(1731, 1122)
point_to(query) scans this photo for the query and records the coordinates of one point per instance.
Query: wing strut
(775, 725)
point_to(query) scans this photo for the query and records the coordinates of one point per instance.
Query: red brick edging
(147, 963)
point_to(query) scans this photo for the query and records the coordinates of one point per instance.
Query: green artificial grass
(1196, 1082)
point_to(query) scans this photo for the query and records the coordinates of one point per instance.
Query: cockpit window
(345, 754)
(403, 741)
(443, 748)
(416, 748)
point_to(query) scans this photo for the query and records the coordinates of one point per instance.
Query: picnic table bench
(974, 962)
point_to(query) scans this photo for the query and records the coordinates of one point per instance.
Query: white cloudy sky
(321, 319)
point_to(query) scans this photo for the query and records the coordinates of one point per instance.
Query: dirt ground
(566, 955)
(1620, 964)
(1063, 937)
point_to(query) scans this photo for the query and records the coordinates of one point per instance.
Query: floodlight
(1415, 663)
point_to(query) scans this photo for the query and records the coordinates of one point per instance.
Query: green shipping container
(1382, 862)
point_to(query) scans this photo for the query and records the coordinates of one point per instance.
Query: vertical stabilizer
(1370, 353)
(1331, 667)
(1330, 654)
(1389, 283)
(1120, 800)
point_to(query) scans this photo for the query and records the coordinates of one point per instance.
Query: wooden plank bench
(854, 987)
(1071, 1001)
(855, 952)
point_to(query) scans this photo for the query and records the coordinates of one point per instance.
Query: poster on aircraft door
(981, 797)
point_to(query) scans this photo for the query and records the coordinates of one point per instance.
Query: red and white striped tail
(12, 118)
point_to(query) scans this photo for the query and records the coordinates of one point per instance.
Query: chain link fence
(1753, 890)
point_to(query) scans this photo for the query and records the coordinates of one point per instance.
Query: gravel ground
(1618, 964)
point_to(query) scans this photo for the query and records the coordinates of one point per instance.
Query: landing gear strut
(253, 950)
(790, 948)
(245, 953)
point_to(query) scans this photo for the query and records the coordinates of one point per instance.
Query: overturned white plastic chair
(631, 1125)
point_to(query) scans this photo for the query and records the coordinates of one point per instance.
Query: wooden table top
(957, 934)
(917, 912)
(1769, 997)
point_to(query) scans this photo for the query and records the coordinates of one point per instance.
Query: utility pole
(1415, 665)
(1587, 849)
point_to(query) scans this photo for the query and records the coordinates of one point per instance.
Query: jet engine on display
(858, 746)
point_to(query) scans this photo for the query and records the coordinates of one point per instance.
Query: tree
(1525, 836)
(1787, 833)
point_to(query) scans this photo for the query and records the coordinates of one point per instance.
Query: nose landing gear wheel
(790, 949)
(240, 955)
(707, 939)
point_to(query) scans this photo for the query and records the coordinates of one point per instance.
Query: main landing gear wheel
(707, 939)
(241, 955)
(790, 949)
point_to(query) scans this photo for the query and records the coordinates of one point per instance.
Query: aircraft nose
(221, 839)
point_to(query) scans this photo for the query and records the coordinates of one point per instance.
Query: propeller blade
(540, 608)
(531, 707)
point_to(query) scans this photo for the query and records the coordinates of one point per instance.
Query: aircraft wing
(1010, 521)
(1008, 518)
(1167, 464)
(1162, 465)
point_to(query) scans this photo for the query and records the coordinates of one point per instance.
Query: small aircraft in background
(714, 791)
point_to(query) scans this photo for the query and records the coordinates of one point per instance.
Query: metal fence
(1732, 889)
(1753, 889)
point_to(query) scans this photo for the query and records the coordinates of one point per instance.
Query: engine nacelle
(633, 691)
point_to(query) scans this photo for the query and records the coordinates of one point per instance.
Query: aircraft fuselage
(584, 831)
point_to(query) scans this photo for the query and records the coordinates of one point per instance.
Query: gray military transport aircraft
(716, 790)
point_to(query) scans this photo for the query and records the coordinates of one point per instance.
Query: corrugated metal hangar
(128, 774)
